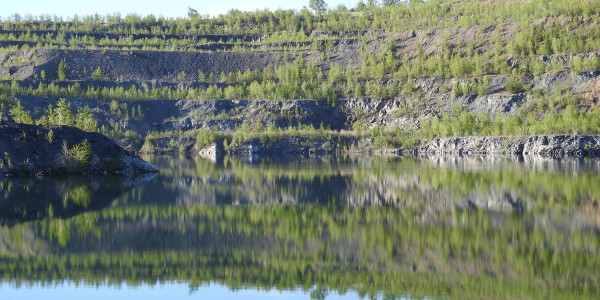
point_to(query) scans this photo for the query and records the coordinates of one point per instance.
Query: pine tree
(514, 84)
(317, 6)
(19, 114)
(61, 71)
(64, 115)
(85, 120)
(97, 75)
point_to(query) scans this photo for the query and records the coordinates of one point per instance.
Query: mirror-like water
(310, 228)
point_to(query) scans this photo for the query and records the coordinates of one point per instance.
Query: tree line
(388, 15)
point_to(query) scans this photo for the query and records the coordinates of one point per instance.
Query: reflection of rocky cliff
(377, 225)
(413, 192)
(525, 163)
(436, 184)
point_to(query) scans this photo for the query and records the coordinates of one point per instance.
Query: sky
(162, 291)
(167, 8)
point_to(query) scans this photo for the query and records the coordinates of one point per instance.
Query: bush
(81, 153)
(19, 114)
(50, 137)
(97, 75)
(514, 85)
(148, 147)
(61, 71)
(205, 137)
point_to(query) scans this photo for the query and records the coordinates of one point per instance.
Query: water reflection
(23, 199)
(424, 185)
(381, 227)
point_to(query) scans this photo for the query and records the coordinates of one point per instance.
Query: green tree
(201, 76)
(19, 114)
(484, 86)
(97, 75)
(514, 84)
(81, 153)
(192, 13)
(372, 3)
(317, 6)
(577, 65)
(64, 115)
(115, 108)
(85, 119)
(389, 2)
(61, 71)
(181, 76)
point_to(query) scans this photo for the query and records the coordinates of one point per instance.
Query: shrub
(514, 85)
(181, 76)
(61, 71)
(484, 86)
(81, 153)
(97, 75)
(85, 120)
(148, 147)
(205, 137)
(19, 114)
(50, 137)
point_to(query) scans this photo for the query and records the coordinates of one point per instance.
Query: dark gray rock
(555, 146)
(31, 149)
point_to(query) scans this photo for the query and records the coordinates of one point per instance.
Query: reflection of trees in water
(395, 226)
(500, 185)
(23, 199)
(464, 253)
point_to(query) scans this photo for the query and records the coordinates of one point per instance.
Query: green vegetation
(85, 120)
(50, 137)
(527, 121)
(81, 153)
(317, 6)
(19, 114)
(406, 61)
(452, 253)
(479, 48)
(514, 85)
(97, 75)
(61, 115)
(60, 73)
(461, 254)
(403, 15)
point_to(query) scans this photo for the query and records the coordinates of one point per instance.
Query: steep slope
(405, 74)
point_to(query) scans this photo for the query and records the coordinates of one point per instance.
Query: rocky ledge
(36, 150)
(551, 146)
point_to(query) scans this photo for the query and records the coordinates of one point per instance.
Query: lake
(308, 228)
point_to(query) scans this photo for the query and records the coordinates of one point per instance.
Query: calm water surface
(306, 228)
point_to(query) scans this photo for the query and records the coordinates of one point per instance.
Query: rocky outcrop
(553, 146)
(211, 152)
(30, 149)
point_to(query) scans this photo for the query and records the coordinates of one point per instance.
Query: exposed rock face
(555, 146)
(211, 152)
(30, 149)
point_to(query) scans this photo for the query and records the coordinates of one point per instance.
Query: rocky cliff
(551, 146)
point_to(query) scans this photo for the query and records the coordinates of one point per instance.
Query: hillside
(384, 77)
